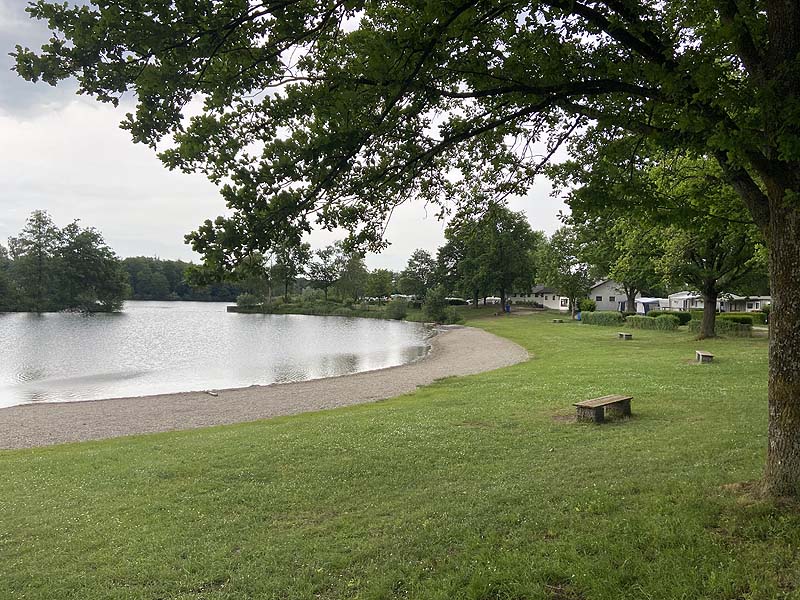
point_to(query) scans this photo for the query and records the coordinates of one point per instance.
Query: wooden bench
(624, 336)
(594, 410)
(704, 357)
(558, 320)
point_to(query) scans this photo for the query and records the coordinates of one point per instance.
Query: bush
(586, 305)
(765, 311)
(451, 316)
(697, 315)
(347, 302)
(602, 317)
(683, 316)
(724, 327)
(435, 306)
(311, 295)
(662, 322)
(247, 300)
(397, 309)
(742, 319)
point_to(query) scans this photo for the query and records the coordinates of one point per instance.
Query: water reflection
(159, 347)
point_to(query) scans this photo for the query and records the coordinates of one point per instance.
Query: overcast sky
(65, 154)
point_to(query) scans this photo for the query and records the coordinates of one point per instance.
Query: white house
(734, 303)
(547, 297)
(609, 295)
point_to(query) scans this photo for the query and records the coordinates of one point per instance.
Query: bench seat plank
(602, 401)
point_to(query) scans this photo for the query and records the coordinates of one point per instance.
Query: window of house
(612, 298)
(758, 304)
(598, 298)
(564, 301)
(749, 306)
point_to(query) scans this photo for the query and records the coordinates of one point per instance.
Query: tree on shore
(560, 266)
(418, 276)
(326, 269)
(57, 269)
(348, 132)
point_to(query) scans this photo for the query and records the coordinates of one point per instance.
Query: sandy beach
(455, 350)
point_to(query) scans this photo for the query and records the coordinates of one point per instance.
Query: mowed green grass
(475, 487)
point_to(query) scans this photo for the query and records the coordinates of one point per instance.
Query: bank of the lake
(474, 487)
(454, 351)
(166, 347)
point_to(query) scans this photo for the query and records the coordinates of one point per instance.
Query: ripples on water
(161, 347)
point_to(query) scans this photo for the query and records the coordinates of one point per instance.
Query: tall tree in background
(561, 267)
(8, 300)
(353, 277)
(418, 275)
(35, 254)
(91, 276)
(290, 263)
(379, 284)
(347, 132)
(489, 250)
(624, 249)
(326, 269)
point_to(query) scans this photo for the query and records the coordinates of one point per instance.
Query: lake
(162, 347)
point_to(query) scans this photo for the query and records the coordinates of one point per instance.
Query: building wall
(608, 296)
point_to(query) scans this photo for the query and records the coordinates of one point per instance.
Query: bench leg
(590, 415)
(620, 409)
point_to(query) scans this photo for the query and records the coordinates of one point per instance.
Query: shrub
(586, 305)
(311, 295)
(397, 309)
(435, 305)
(347, 302)
(697, 315)
(742, 319)
(451, 316)
(247, 300)
(765, 311)
(662, 322)
(724, 327)
(602, 317)
(683, 317)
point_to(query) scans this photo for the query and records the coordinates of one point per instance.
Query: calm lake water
(160, 347)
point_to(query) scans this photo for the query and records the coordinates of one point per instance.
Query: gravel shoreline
(454, 351)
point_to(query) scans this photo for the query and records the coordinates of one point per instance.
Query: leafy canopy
(335, 112)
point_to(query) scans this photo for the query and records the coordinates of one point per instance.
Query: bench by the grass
(594, 409)
(558, 320)
(704, 357)
(624, 336)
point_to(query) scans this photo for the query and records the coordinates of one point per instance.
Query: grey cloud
(20, 98)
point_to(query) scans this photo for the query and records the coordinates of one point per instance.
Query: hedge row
(683, 317)
(602, 317)
(662, 322)
(725, 327)
(741, 318)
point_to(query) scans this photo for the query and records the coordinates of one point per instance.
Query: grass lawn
(476, 487)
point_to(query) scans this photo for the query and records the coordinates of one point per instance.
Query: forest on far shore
(47, 268)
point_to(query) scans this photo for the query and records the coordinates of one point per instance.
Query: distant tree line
(157, 279)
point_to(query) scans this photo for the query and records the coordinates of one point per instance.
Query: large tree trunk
(707, 326)
(476, 297)
(630, 302)
(782, 475)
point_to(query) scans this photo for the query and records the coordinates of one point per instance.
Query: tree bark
(630, 302)
(476, 297)
(782, 473)
(707, 326)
